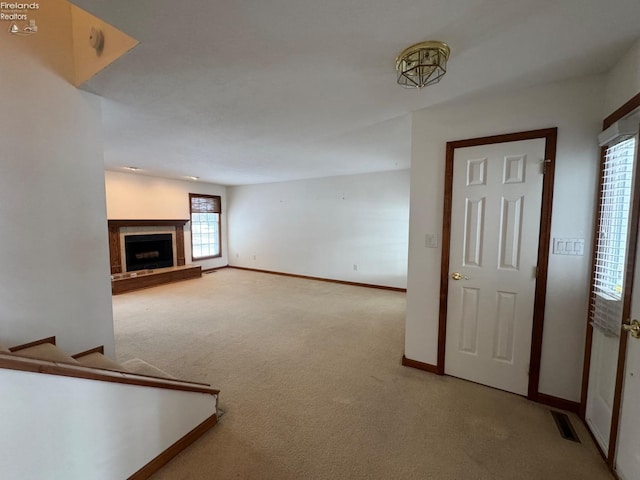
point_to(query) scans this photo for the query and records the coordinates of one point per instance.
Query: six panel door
(495, 223)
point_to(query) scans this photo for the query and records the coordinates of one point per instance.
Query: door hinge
(545, 163)
(535, 272)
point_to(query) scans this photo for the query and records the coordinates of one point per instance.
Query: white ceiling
(252, 91)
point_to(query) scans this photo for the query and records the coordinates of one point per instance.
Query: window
(205, 226)
(612, 235)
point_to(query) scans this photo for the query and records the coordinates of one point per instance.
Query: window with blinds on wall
(205, 226)
(612, 236)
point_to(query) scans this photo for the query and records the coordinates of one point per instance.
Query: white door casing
(495, 224)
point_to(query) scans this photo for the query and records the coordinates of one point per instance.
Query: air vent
(564, 426)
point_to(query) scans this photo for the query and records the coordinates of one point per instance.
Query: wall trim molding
(542, 398)
(41, 341)
(557, 402)
(624, 110)
(320, 279)
(98, 349)
(427, 367)
(213, 269)
(161, 460)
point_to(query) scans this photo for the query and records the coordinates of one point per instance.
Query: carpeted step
(136, 365)
(45, 351)
(98, 360)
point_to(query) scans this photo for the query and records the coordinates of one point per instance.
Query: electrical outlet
(355, 267)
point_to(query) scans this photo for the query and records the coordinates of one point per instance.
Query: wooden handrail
(25, 364)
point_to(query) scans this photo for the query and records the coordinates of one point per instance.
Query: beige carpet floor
(312, 387)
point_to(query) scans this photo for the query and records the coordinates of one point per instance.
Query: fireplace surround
(149, 276)
(116, 243)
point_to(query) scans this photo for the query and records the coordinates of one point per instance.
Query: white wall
(323, 227)
(140, 197)
(623, 81)
(575, 107)
(89, 429)
(54, 278)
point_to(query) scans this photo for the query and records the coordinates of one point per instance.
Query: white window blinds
(612, 236)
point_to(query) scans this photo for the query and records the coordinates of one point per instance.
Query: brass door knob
(633, 328)
(459, 276)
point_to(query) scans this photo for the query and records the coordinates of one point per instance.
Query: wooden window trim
(219, 201)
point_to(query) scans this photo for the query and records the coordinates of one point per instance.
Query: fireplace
(135, 238)
(148, 251)
(119, 229)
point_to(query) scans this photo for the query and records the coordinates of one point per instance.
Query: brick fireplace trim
(115, 251)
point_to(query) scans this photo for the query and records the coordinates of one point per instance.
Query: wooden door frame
(609, 456)
(550, 135)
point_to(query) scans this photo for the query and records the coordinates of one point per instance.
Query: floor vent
(564, 426)
(207, 272)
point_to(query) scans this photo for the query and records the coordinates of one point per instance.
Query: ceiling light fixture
(191, 177)
(132, 169)
(422, 64)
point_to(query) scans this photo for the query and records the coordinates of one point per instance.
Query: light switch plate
(431, 240)
(568, 246)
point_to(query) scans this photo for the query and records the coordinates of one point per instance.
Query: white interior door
(602, 382)
(609, 286)
(627, 459)
(495, 222)
(627, 463)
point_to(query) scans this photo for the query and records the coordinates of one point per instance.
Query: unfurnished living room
(320, 240)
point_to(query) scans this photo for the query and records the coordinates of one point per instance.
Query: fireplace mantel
(115, 252)
(146, 223)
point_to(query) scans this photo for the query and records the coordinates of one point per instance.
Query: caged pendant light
(422, 64)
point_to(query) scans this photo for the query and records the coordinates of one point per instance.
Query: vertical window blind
(612, 235)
